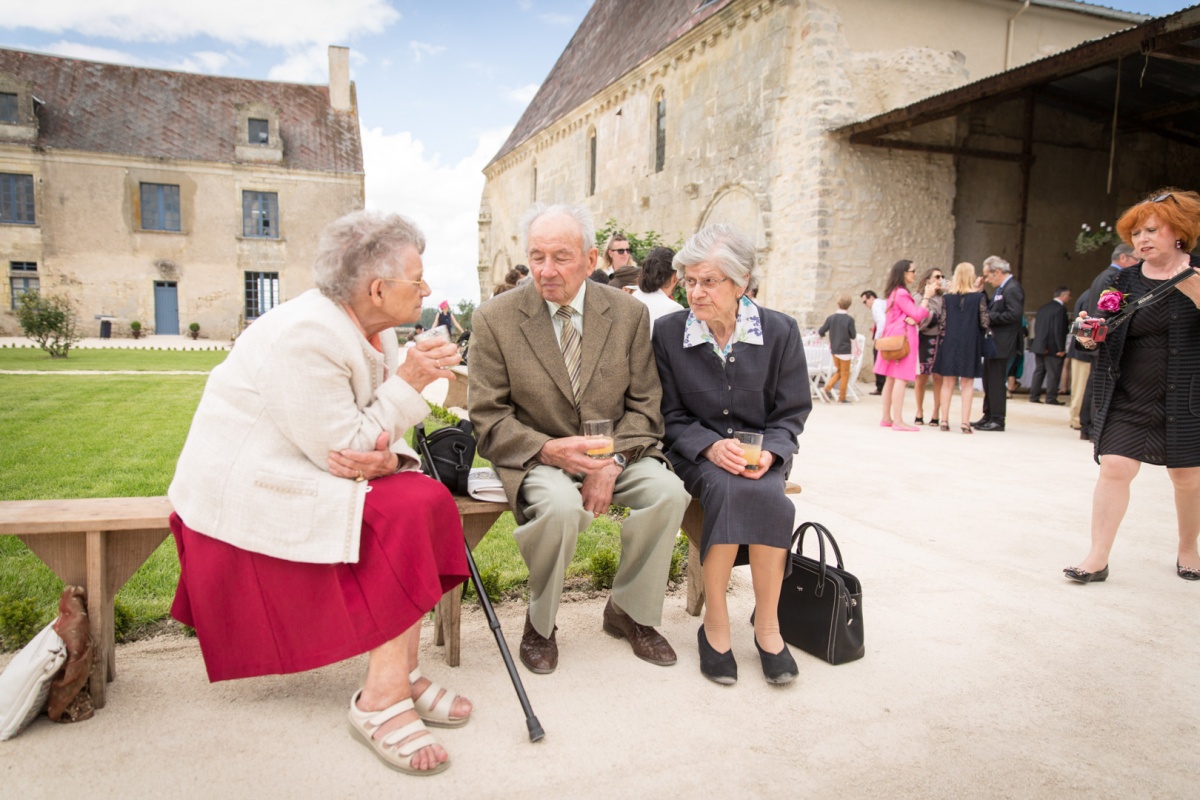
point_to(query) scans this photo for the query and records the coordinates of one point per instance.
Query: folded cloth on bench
(483, 484)
(258, 615)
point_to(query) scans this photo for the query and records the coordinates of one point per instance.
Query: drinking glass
(751, 448)
(599, 429)
(440, 332)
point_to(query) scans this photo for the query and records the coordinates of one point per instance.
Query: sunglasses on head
(1163, 198)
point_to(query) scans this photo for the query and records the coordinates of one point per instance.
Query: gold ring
(360, 477)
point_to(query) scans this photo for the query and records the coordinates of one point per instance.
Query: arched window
(660, 131)
(591, 162)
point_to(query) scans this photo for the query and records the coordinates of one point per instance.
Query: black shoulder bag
(452, 451)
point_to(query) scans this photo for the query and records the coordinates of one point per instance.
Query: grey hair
(726, 247)
(996, 264)
(354, 250)
(582, 217)
(1121, 250)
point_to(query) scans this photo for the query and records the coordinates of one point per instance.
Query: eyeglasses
(401, 280)
(623, 250)
(708, 284)
(911, 269)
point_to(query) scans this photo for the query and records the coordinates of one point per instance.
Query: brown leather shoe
(648, 644)
(537, 652)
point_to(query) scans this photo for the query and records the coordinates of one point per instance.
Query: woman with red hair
(1146, 407)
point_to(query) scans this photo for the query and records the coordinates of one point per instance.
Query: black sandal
(933, 422)
(967, 429)
(919, 421)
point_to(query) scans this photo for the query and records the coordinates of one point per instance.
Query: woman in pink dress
(903, 317)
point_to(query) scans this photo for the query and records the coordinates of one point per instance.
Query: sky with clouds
(439, 84)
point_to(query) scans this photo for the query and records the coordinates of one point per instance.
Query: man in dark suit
(1122, 258)
(1005, 313)
(1050, 347)
(545, 357)
(1081, 365)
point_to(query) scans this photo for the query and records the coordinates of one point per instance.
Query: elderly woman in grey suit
(729, 365)
(306, 531)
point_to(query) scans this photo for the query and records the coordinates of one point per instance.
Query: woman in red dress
(306, 532)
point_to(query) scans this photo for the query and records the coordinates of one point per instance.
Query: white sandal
(436, 714)
(391, 747)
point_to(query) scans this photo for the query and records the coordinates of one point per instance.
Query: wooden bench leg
(100, 614)
(695, 581)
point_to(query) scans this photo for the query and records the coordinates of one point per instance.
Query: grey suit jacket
(520, 394)
(301, 381)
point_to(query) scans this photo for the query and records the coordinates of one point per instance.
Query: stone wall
(88, 242)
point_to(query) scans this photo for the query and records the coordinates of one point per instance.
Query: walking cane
(531, 721)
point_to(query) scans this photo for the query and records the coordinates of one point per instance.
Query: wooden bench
(478, 517)
(94, 543)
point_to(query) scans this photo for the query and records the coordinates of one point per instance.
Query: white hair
(725, 247)
(996, 264)
(354, 249)
(582, 217)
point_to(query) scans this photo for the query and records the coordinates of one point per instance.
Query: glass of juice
(751, 448)
(599, 429)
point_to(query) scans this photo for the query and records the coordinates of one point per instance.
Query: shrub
(135, 328)
(123, 619)
(679, 556)
(20, 621)
(603, 566)
(492, 584)
(49, 321)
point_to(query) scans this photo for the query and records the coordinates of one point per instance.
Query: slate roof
(617, 35)
(614, 37)
(108, 108)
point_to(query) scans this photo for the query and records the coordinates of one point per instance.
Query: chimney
(339, 78)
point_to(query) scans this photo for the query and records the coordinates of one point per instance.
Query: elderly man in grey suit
(545, 357)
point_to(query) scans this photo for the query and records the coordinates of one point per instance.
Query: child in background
(840, 327)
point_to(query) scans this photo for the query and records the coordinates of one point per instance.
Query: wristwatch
(620, 460)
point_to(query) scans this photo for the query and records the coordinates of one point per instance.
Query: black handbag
(820, 606)
(452, 450)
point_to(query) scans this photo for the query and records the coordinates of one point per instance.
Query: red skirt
(259, 615)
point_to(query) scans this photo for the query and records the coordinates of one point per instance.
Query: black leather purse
(452, 451)
(820, 606)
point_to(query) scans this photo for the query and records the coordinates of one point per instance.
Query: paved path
(986, 675)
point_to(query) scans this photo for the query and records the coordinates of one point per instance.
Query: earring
(1179, 244)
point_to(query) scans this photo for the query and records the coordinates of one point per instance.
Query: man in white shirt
(656, 284)
(879, 316)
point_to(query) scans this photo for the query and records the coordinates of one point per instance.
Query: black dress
(1137, 416)
(963, 319)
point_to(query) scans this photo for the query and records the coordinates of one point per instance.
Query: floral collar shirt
(748, 330)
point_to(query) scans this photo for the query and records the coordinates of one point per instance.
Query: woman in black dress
(963, 321)
(927, 344)
(1147, 380)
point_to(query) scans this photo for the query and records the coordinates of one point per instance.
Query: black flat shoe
(717, 667)
(1187, 573)
(780, 668)
(1076, 574)
(919, 421)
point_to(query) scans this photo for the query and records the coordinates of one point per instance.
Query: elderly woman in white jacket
(306, 531)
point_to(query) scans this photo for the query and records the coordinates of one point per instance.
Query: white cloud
(204, 61)
(310, 65)
(422, 49)
(523, 94)
(270, 22)
(557, 19)
(443, 199)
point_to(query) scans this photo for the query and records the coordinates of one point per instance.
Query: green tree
(463, 312)
(49, 321)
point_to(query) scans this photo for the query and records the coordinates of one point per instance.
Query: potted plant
(136, 328)
(194, 330)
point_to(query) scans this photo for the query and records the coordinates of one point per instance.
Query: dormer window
(8, 108)
(260, 132)
(258, 137)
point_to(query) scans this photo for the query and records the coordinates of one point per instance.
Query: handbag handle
(822, 534)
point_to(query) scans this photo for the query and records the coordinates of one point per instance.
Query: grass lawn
(119, 436)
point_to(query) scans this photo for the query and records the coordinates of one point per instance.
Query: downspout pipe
(1008, 42)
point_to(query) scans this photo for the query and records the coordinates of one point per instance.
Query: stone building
(670, 115)
(165, 197)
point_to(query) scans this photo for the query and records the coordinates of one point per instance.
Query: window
(259, 130)
(160, 207)
(8, 108)
(592, 164)
(22, 278)
(16, 199)
(262, 293)
(660, 133)
(534, 186)
(260, 214)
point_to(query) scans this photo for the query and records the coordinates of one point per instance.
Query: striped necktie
(572, 348)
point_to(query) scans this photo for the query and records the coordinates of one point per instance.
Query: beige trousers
(1080, 370)
(553, 506)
